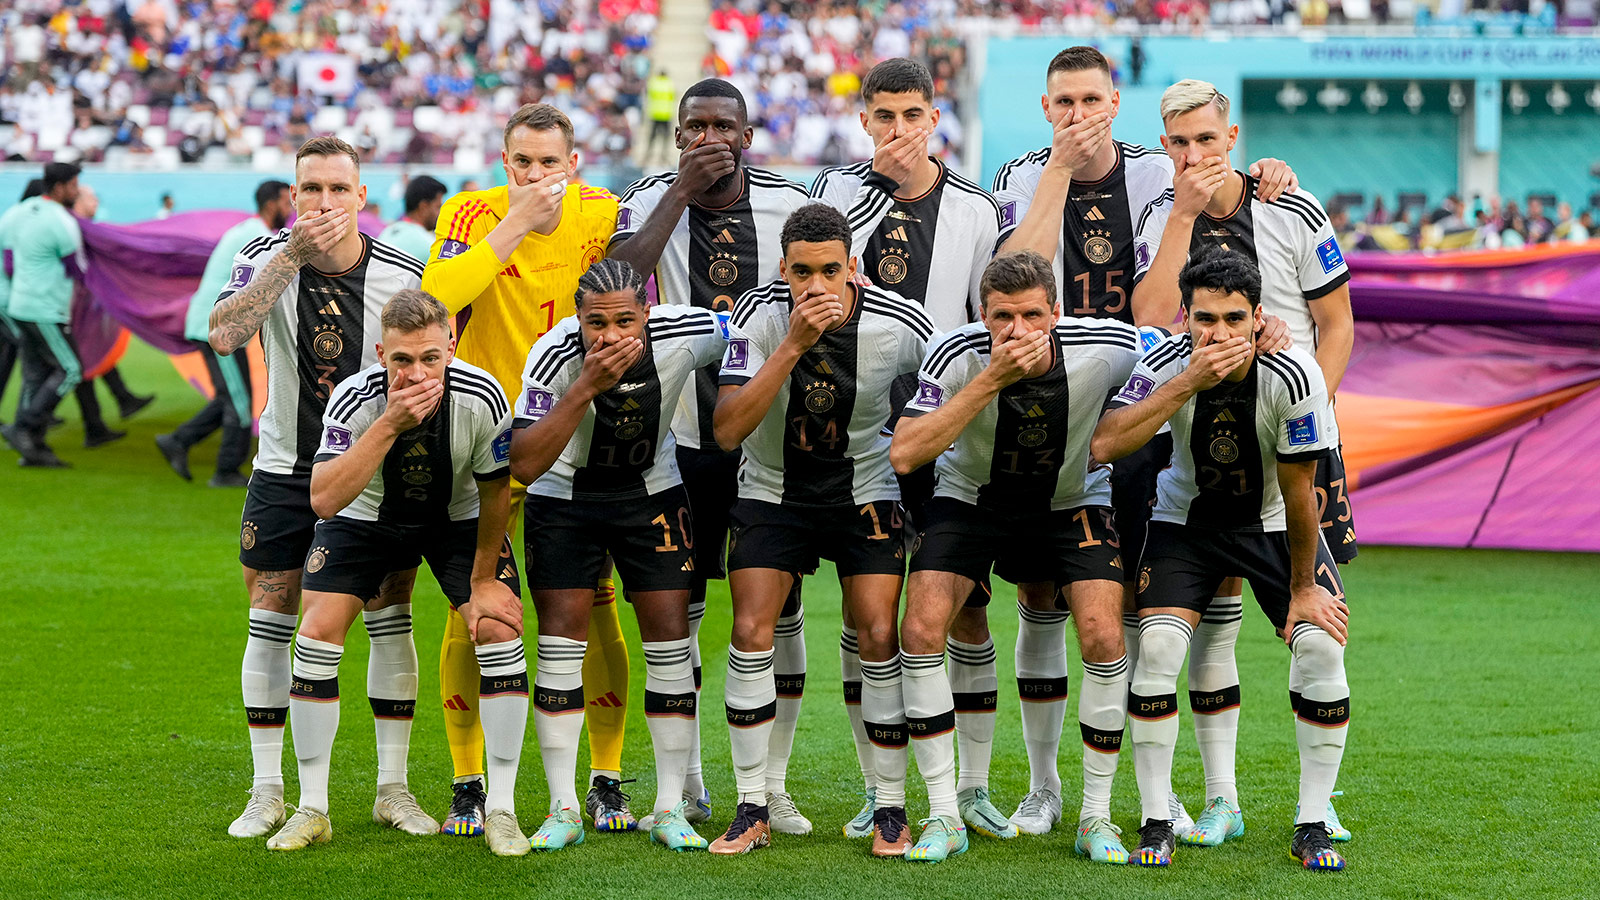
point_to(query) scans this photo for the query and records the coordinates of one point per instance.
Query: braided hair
(607, 276)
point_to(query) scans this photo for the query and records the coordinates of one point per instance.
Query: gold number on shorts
(667, 546)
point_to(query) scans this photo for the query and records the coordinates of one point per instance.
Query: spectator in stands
(1539, 225)
(1583, 229)
(165, 209)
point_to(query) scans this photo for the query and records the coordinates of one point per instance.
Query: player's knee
(1038, 595)
(1317, 655)
(1100, 638)
(1163, 643)
(751, 635)
(494, 631)
(971, 625)
(877, 640)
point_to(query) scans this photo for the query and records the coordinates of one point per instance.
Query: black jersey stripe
(1294, 201)
(496, 406)
(777, 291)
(1167, 351)
(1299, 213)
(670, 332)
(659, 318)
(858, 170)
(1144, 216)
(352, 401)
(900, 310)
(385, 253)
(1136, 150)
(770, 179)
(951, 349)
(645, 184)
(965, 185)
(1292, 375)
(266, 244)
(545, 367)
(1002, 178)
(492, 392)
(868, 208)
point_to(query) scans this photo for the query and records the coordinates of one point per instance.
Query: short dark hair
(898, 76)
(1015, 272)
(411, 310)
(539, 117)
(268, 191)
(327, 145)
(608, 276)
(423, 189)
(57, 174)
(1077, 59)
(815, 223)
(35, 188)
(714, 87)
(1221, 270)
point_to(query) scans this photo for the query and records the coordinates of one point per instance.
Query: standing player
(1017, 396)
(805, 388)
(926, 233)
(230, 407)
(315, 292)
(506, 261)
(1304, 281)
(1075, 203)
(413, 232)
(594, 445)
(709, 231)
(1248, 431)
(413, 465)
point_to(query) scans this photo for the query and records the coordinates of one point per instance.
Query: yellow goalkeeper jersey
(503, 306)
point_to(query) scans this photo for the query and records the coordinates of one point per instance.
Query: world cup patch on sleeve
(1328, 254)
(1137, 388)
(452, 248)
(337, 439)
(1141, 256)
(624, 219)
(536, 403)
(501, 448)
(1008, 215)
(241, 276)
(738, 354)
(929, 395)
(1303, 430)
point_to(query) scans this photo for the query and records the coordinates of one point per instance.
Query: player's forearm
(235, 320)
(337, 482)
(494, 505)
(1156, 298)
(1336, 335)
(643, 249)
(740, 408)
(918, 440)
(536, 448)
(1123, 430)
(1300, 510)
(1040, 228)
(461, 280)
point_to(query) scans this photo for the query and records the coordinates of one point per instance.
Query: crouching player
(1247, 433)
(414, 464)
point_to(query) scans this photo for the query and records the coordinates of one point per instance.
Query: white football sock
(1102, 706)
(850, 671)
(314, 706)
(975, 688)
(1043, 687)
(264, 677)
(503, 699)
(1153, 710)
(789, 661)
(558, 715)
(883, 715)
(1324, 718)
(670, 711)
(1214, 694)
(752, 704)
(693, 779)
(930, 721)
(392, 687)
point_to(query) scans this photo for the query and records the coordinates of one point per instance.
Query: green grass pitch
(1472, 768)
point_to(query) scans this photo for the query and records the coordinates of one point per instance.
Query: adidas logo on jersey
(629, 405)
(1036, 413)
(1349, 536)
(724, 237)
(899, 234)
(331, 309)
(1224, 416)
(416, 450)
(1094, 215)
(511, 271)
(823, 368)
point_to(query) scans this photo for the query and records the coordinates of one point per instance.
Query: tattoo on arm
(236, 319)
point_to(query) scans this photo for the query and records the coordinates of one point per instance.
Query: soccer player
(1017, 395)
(1304, 281)
(413, 464)
(709, 231)
(1248, 432)
(594, 445)
(230, 405)
(926, 233)
(805, 389)
(315, 292)
(506, 261)
(1076, 203)
(413, 232)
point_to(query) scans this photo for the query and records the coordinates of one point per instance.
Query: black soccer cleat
(102, 437)
(607, 805)
(466, 810)
(133, 404)
(1156, 843)
(1314, 848)
(176, 455)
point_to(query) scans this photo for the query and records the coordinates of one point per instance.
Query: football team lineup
(1108, 381)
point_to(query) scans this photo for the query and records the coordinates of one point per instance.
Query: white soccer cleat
(306, 827)
(1181, 820)
(262, 815)
(1038, 812)
(398, 808)
(783, 816)
(504, 834)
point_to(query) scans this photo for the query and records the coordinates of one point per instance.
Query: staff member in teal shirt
(414, 233)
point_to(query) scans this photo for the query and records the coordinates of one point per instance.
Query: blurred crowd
(1485, 224)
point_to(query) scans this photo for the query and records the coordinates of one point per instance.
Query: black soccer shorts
(1184, 565)
(859, 540)
(278, 522)
(710, 477)
(1333, 506)
(1133, 494)
(650, 539)
(353, 556)
(1059, 546)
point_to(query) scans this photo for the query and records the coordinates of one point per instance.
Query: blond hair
(411, 310)
(327, 145)
(1189, 95)
(540, 117)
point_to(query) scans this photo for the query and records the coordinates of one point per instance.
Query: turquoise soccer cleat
(673, 831)
(561, 829)
(979, 813)
(1101, 841)
(941, 839)
(861, 825)
(1220, 821)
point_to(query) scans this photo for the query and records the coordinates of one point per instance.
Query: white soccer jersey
(821, 442)
(1028, 450)
(322, 330)
(1289, 239)
(713, 257)
(1094, 261)
(432, 471)
(931, 249)
(624, 446)
(1227, 441)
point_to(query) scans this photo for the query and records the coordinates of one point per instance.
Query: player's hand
(702, 162)
(492, 600)
(1074, 145)
(813, 314)
(536, 206)
(897, 157)
(412, 402)
(1319, 607)
(1212, 361)
(605, 363)
(1276, 179)
(1194, 186)
(1274, 335)
(314, 233)
(1014, 357)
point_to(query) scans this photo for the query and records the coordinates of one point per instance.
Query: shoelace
(888, 825)
(1103, 827)
(405, 804)
(260, 801)
(744, 819)
(1155, 834)
(611, 793)
(932, 821)
(1034, 803)
(781, 806)
(467, 801)
(1316, 839)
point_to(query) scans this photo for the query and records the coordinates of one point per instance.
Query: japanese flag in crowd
(326, 73)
